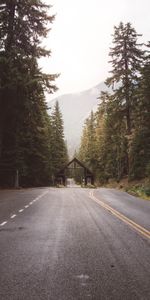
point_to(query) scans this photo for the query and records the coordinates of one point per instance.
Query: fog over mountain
(75, 109)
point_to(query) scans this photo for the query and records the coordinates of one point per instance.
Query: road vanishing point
(74, 244)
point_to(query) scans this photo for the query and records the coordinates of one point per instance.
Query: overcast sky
(81, 36)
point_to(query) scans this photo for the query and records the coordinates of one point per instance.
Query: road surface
(74, 244)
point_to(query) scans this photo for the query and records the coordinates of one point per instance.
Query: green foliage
(142, 191)
(140, 154)
(26, 130)
(140, 145)
(87, 152)
(126, 59)
(120, 143)
(59, 148)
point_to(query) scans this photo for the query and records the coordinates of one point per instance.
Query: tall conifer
(126, 60)
(23, 116)
(59, 148)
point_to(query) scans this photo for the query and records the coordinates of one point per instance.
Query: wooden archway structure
(61, 177)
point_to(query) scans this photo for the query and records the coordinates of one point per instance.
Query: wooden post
(17, 179)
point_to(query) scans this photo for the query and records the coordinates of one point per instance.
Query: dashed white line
(2, 224)
(26, 206)
(13, 216)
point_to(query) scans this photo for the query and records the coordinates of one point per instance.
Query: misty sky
(81, 36)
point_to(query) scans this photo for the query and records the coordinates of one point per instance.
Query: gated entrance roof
(87, 172)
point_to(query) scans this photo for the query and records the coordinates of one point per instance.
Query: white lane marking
(36, 199)
(83, 276)
(26, 206)
(13, 216)
(4, 223)
(42, 195)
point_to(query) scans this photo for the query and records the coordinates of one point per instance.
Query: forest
(32, 145)
(115, 141)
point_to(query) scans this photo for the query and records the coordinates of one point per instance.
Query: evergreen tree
(24, 123)
(87, 152)
(140, 147)
(126, 59)
(59, 148)
(122, 129)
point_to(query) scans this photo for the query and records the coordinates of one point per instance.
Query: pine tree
(122, 122)
(140, 147)
(23, 117)
(87, 152)
(111, 141)
(126, 59)
(59, 148)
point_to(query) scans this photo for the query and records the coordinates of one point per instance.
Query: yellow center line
(120, 216)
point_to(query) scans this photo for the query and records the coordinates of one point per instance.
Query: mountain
(75, 109)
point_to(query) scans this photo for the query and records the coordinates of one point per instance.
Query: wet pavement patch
(11, 229)
(112, 266)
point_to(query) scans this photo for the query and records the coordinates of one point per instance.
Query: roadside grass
(139, 188)
(88, 186)
(140, 191)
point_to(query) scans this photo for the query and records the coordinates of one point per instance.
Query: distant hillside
(75, 109)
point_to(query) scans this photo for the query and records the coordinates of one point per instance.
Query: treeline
(116, 139)
(31, 142)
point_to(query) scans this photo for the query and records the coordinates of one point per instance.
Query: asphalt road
(73, 243)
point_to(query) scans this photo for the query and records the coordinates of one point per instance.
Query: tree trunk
(127, 95)
(11, 9)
